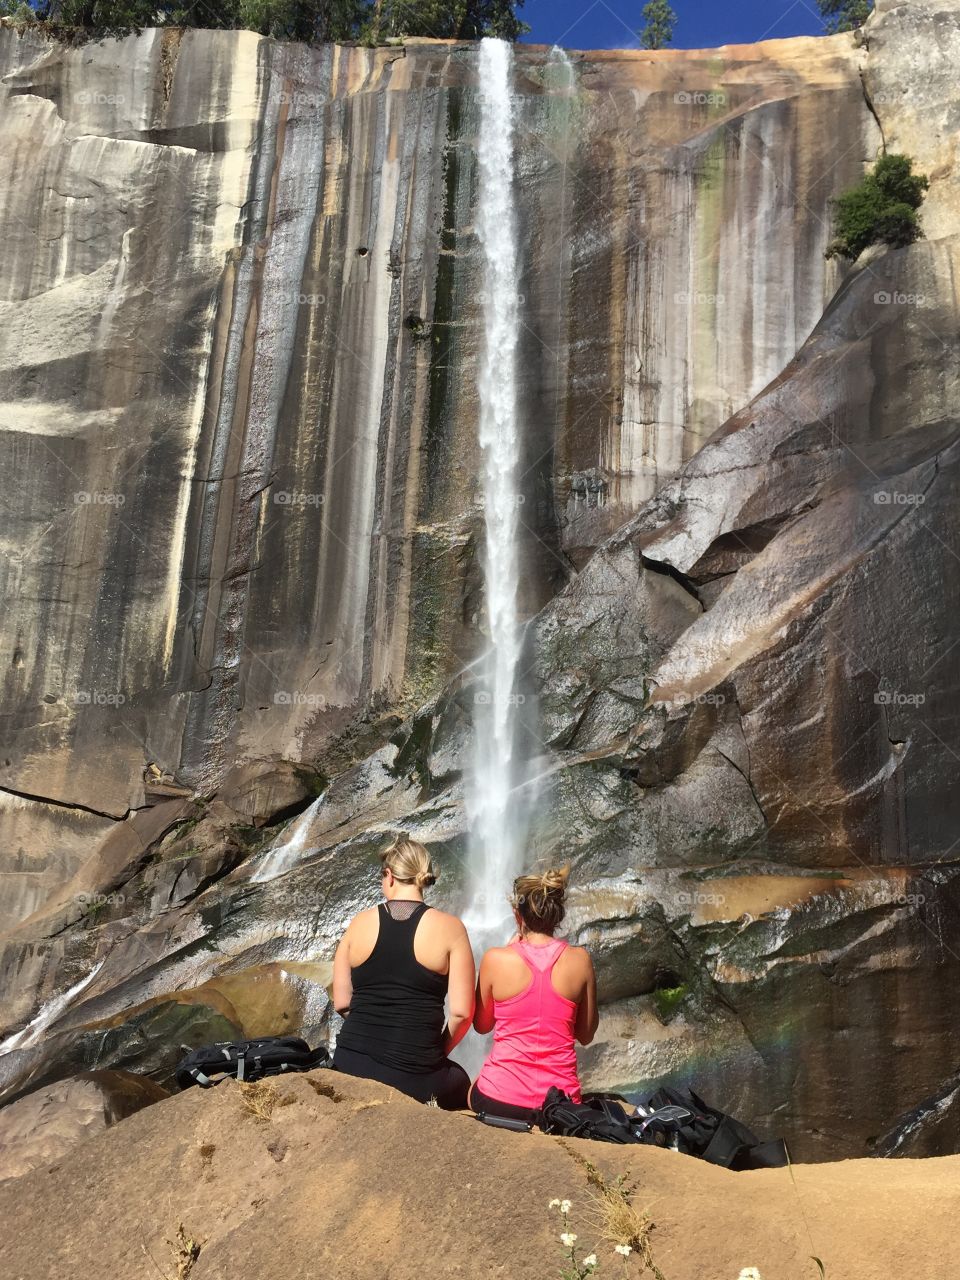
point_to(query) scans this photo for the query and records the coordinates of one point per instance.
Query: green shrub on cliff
(844, 15)
(16, 9)
(881, 210)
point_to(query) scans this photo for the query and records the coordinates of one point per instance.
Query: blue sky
(612, 24)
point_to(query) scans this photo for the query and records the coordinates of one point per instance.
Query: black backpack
(599, 1116)
(675, 1118)
(247, 1060)
(708, 1133)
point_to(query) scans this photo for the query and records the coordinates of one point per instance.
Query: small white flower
(624, 1249)
(568, 1239)
(590, 1260)
(564, 1206)
(750, 1273)
(554, 1204)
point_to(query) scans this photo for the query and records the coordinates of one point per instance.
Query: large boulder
(333, 1175)
(39, 1128)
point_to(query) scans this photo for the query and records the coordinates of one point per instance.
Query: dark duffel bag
(701, 1130)
(247, 1060)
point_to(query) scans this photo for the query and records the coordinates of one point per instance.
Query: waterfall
(52, 1010)
(495, 837)
(559, 75)
(283, 857)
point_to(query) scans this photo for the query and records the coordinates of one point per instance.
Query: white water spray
(284, 857)
(559, 74)
(32, 1032)
(495, 837)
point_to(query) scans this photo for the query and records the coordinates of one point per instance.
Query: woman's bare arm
(342, 982)
(460, 989)
(588, 1015)
(483, 1018)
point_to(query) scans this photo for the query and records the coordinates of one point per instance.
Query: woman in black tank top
(393, 1030)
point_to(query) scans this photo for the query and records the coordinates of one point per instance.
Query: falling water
(559, 74)
(494, 832)
(32, 1032)
(283, 857)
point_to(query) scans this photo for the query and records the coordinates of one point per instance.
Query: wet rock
(264, 791)
(265, 253)
(746, 695)
(930, 1128)
(41, 1127)
(148, 1040)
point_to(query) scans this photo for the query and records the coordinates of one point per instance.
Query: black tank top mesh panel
(396, 1011)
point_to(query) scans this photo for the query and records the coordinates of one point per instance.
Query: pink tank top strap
(540, 959)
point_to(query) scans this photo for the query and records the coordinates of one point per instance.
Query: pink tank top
(533, 1040)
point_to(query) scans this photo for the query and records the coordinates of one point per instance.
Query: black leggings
(494, 1107)
(448, 1084)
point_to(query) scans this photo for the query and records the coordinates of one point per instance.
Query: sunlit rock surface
(744, 703)
(238, 325)
(39, 1129)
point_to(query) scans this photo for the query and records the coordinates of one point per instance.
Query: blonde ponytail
(409, 861)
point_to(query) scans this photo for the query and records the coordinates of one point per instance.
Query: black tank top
(396, 1011)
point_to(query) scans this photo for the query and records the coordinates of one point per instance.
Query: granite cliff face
(241, 305)
(241, 320)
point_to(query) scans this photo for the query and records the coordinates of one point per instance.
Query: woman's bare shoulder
(579, 956)
(363, 919)
(451, 925)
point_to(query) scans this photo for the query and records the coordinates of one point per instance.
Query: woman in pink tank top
(539, 996)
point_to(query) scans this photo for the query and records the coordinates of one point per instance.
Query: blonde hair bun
(540, 899)
(409, 861)
(555, 880)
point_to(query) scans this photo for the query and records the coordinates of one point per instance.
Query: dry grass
(186, 1251)
(616, 1219)
(262, 1098)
